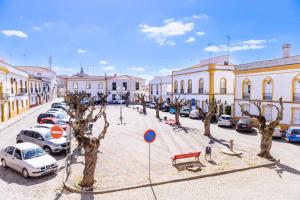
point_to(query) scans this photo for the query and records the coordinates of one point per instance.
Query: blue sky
(143, 38)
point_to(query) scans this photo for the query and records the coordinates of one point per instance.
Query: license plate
(244, 126)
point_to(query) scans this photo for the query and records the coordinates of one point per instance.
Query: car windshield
(60, 122)
(296, 131)
(48, 136)
(60, 116)
(225, 117)
(33, 153)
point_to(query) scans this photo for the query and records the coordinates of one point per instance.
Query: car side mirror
(40, 138)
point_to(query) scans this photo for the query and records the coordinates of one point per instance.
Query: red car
(49, 120)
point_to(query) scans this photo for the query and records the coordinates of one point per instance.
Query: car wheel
(3, 162)
(47, 149)
(25, 173)
(19, 141)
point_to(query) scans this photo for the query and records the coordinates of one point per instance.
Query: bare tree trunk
(90, 156)
(157, 112)
(177, 117)
(266, 144)
(207, 122)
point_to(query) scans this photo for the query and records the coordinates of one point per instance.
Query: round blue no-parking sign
(149, 136)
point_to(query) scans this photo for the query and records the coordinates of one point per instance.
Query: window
(296, 88)
(201, 86)
(189, 86)
(17, 154)
(296, 115)
(137, 86)
(114, 86)
(268, 113)
(75, 85)
(31, 89)
(176, 87)
(12, 85)
(267, 89)
(10, 150)
(88, 85)
(39, 73)
(156, 89)
(246, 107)
(182, 87)
(100, 85)
(246, 89)
(124, 86)
(223, 86)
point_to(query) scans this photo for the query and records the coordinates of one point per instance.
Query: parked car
(293, 134)
(148, 103)
(152, 105)
(49, 120)
(29, 159)
(225, 120)
(42, 137)
(58, 105)
(244, 124)
(49, 126)
(172, 110)
(278, 133)
(194, 114)
(184, 111)
(165, 108)
(52, 115)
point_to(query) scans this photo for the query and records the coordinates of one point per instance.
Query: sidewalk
(16, 119)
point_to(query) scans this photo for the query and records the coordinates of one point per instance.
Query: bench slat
(187, 155)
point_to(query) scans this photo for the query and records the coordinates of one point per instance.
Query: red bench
(195, 155)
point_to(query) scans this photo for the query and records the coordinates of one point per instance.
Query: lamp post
(120, 94)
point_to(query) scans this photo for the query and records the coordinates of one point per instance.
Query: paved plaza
(276, 182)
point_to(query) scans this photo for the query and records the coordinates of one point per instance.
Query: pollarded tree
(158, 105)
(212, 109)
(125, 96)
(81, 115)
(142, 99)
(266, 129)
(177, 104)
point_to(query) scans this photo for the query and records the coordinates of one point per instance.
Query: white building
(269, 80)
(14, 86)
(213, 77)
(48, 77)
(118, 85)
(161, 86)
(35, 91)
(61, 86)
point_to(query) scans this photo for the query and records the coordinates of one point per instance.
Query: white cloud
(200, 16)
(16, 33)
(190, 40)
(171, 28)
(36, 28)
(108, 68)
(137, 69)
(103, 62)
(239, 46)
(81, 51)
(200, 33)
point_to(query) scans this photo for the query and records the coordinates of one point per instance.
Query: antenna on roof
(228, 48)
(50, 62)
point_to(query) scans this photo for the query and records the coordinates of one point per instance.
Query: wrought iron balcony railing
(246, 96)
(223, 90)
(200, 91)
(267, 96)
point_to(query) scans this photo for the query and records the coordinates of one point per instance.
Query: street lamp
(120, 94)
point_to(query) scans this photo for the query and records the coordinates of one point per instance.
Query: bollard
(231, 145)
(165, 118)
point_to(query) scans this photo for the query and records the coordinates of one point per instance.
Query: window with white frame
(100, 85)
(75, 85)
(268, 113)
(88, 85)
(296, 116)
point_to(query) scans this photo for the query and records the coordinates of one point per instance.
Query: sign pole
(149, 161)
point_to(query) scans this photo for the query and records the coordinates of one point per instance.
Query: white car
(66, 133)
(278, 133)
(29, 159)
(194, 114)
(225, 120)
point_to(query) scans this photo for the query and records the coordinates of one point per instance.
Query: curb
(75, 190)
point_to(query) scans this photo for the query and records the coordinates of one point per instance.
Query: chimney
(286, 50)
(115, 75)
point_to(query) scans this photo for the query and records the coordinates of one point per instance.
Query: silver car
(42, 137)
(29, 159)
(66, 134)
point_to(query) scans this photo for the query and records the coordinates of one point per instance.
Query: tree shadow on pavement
(219, 141)
(186, 130)
(281, 168)
(87, 196)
